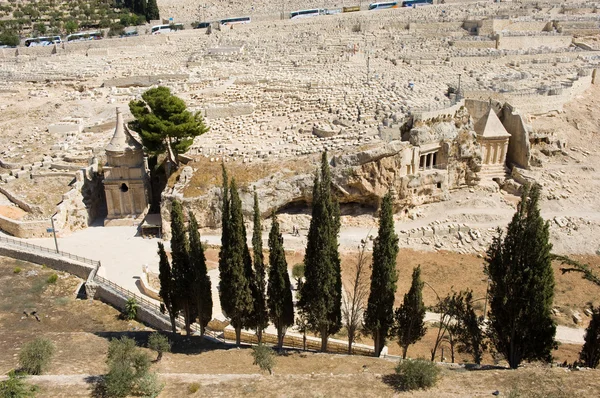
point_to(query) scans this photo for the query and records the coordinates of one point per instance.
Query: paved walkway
(123, 253)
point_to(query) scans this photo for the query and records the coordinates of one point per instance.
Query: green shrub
(17, 270)
(36, 355)
(193, 388)
(159, 343)
(149, 386)
(15, 387)
(128, 371)
(131, 308)
(52, 278)
(417, 374)
(263, 357)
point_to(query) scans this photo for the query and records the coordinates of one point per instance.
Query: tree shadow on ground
(474, 367)
(394, 381)
(180, 344)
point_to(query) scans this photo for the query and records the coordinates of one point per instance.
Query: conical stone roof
(489, 126)
(122, 140)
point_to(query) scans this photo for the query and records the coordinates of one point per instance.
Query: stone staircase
(490, 171)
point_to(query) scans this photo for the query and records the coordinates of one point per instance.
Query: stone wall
(83, 271)
(25, 229)
(230, 110)
(473, 43)
(144, 315)
(529, 102)
(451, 110)
(144, 81)
(518, 145)
(84, 202)
(64, 264)
(527, 42)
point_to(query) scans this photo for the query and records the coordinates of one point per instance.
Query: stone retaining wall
(25, 229)
(527, 42)
(144, 315)
(64, 264)
(87, 272)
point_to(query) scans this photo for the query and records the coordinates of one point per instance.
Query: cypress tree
(234, 287)
(281, 306)
(260, 304)
(152, 11)
(410, 316)
(182, 272)
(139, 7)
(321, 294)
(379, 317)
(201, 286)
(522, 285)
(167, 286)
(590, 352)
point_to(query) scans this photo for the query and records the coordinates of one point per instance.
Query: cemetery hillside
(300, 198)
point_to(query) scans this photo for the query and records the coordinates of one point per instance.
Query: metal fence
(41, 249)
(150, 305)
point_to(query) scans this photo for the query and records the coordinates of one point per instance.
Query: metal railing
(128, 293)
(41, 249)
(101, 280)
(151, 306)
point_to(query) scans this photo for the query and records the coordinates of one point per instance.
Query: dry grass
(68, 322)
(445, 271)
(81, 331)
(209, 174)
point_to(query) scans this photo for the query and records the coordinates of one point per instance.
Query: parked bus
(307, 13)
(42, 41)
(84, 36)
(235, 21)
(351, 9)
(174, 27)
(416, 3)
(381, 6)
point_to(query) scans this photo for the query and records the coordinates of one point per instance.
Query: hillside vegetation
(44, 17)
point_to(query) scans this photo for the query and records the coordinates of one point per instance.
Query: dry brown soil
(81, 330)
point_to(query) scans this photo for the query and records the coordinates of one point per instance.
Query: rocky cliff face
(362, 177)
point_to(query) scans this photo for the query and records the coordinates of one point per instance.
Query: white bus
(174, 27)
(235, 21)
(381, 6)
(42, 41)
(307, 13)
(84, 36)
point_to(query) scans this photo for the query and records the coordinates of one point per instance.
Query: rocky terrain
(373, 88)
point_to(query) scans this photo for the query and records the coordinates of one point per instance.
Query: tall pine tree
(379, 317)
(167, 286)
(201, 286)
(182, 272)
(152, 13)
(410, 316)
(234, 260)
(281, 306)
(260, 300)
(522, 285)
(321, 295)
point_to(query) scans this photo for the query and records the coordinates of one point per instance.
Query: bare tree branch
(355, 295)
